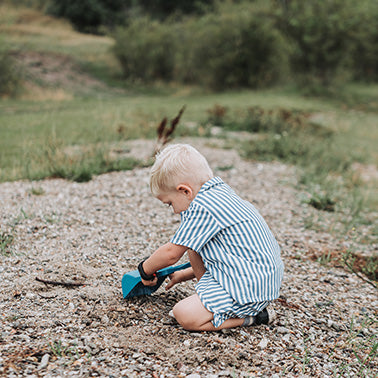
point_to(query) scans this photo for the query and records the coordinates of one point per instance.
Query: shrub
(146, 50)
(320, 33)
(364, 40)
(234, 47)
(237, 47)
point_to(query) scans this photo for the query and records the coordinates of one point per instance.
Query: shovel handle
(169, 270)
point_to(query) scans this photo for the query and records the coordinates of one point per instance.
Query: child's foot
(266, 316)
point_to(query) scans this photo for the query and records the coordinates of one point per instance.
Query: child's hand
(174, 278)
(149, 283)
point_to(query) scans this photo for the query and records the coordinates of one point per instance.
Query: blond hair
(178, 164)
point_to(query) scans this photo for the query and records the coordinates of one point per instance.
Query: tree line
(234, 43)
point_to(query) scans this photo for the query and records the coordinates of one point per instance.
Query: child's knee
(184, 316)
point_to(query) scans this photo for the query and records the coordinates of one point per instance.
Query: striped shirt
(242, 257)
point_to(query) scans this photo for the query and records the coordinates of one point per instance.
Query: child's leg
(192, 315)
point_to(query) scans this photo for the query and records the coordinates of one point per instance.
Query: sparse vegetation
(78, 165)
(6, 240)
(292, 137)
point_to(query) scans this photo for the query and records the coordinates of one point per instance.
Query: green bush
(234, 47)
(10, 75)
(146, 50)
(252, 44)
(320, 33)
(364, 40)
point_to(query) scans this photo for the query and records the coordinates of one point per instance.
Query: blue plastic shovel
(132, 285)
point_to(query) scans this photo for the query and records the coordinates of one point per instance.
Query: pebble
(44, 361)
(263, 343)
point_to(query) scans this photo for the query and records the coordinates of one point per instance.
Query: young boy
(233, 254)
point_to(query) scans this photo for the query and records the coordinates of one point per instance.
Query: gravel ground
(95, 232)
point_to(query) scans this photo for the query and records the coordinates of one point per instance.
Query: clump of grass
(256, 119)
(58, 349)
(322, 202)
(362, 345)
(223, 168)
(6, 241)
(78, 165)
(366, 264)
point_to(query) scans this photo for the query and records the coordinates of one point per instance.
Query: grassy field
(27, 126)
(75, 100)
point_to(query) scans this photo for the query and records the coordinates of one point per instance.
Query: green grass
(6, 240)
(28, 126)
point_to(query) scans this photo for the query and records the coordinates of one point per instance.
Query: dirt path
(95, 232)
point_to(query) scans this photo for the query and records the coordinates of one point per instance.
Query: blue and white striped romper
(244, 269)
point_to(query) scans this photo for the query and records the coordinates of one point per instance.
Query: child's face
(179, 199)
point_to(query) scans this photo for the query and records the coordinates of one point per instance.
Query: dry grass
(23, 19)
(30, 29)
(36, 93)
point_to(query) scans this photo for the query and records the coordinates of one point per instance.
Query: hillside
(55, 60)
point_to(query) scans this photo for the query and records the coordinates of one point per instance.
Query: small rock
(44, 361)
(263, 343)
(282, 330)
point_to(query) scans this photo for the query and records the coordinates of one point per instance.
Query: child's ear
(184, 189)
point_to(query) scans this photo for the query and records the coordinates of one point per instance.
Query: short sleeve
(197, 227)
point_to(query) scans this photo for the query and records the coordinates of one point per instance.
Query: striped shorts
(221, 304)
